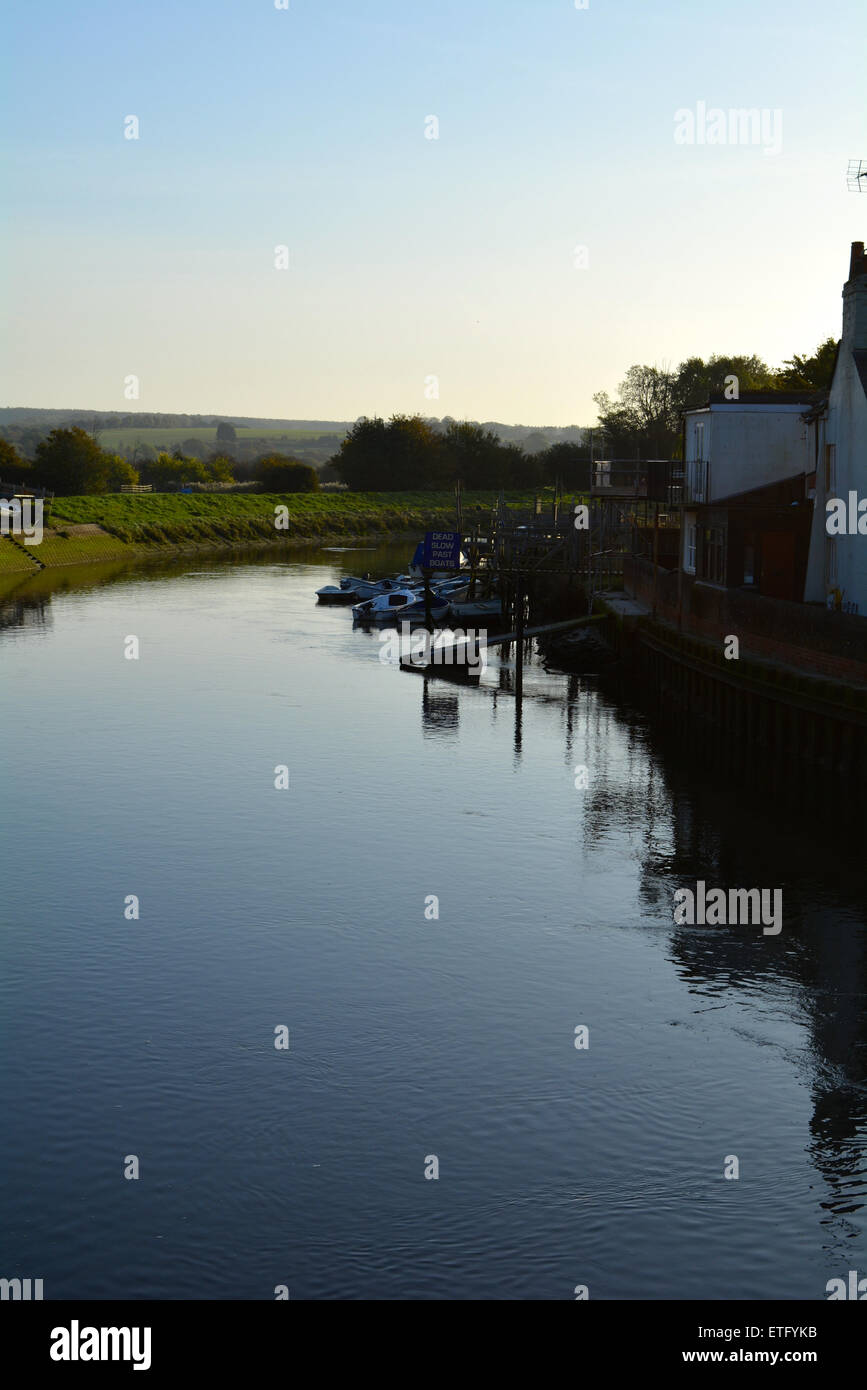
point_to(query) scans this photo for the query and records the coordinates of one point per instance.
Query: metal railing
(696, 480)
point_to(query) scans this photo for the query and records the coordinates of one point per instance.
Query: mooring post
(428, 620)
(655, 554)
(519, 638)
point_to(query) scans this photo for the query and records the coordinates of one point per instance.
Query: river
(417, 1030)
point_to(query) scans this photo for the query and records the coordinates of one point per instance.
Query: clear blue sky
(412, 258)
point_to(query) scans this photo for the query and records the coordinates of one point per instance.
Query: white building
(745, 518)
(837, 571)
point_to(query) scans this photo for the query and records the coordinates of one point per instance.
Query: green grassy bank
(103, 528)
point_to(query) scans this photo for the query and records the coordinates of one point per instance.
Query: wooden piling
(519, 639)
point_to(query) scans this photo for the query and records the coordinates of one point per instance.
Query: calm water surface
(409, 1037)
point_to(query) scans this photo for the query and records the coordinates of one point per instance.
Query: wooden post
(428, 620)
(655, 551)
(681, 558)
(519, 638)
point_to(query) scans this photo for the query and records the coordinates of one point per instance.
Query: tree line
(643, 421)
(645, 418)
(70, 462)
(411, 453)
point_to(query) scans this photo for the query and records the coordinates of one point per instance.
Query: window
(714, 555)
(830, 561)
(689, 558)
(696, 466)
(830, 470)
(749, 563)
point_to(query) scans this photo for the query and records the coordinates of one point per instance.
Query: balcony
(630, 478)
(696, 481)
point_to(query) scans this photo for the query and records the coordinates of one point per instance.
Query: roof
(801, 397)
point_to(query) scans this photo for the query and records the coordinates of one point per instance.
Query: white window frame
(690, 538)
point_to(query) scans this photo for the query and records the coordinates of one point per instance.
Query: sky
(553, 233)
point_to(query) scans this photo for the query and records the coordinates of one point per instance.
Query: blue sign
(442, 550)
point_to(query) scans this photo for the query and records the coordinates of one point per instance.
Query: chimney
(855, 300)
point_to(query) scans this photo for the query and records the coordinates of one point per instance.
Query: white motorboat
(399, 606)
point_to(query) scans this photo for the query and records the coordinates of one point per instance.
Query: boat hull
(476, 610)
(331, 594)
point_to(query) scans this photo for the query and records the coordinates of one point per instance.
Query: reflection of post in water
(572, 690)
(519, 708)
(440, 708)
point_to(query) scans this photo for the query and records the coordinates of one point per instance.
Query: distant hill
(138, 434)
(142, 419)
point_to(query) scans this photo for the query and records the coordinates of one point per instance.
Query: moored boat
(477, 608)
(370, 588)
(399, 606)
(330, 593)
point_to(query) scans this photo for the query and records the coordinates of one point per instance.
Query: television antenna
(856, 176)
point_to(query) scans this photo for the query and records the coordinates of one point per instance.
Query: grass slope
(178, 519)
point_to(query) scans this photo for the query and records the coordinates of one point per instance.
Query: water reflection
(553, 893)
(727, 822)
(440, 709)
(708, 816)
(25, 611)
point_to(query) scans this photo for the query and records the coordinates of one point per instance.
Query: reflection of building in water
(439, 709)
(743, 831)
(836, 1000)
(26, 611)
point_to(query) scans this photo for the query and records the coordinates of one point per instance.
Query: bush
(279, 474)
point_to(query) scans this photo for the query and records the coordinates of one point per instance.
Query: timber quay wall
(789, 695)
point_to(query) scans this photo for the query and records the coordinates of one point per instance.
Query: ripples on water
(409, 1037)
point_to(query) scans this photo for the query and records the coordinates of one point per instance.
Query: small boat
(370, 588)
(399, 606)
(330, 593)
(476, 608)
(453, 589)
